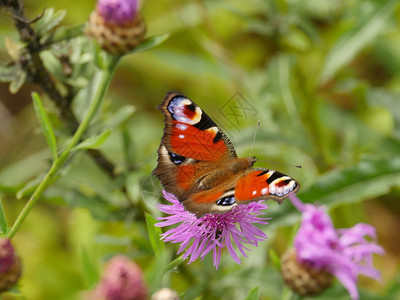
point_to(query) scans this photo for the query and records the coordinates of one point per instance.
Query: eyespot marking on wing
(282, 186)
(185, 111)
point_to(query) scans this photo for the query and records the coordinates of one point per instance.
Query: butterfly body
(199, 165)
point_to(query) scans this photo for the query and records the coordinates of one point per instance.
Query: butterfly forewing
(191, 133)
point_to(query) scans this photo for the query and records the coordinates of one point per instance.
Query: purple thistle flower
(198, 236)
(117, 11)
(345, 253)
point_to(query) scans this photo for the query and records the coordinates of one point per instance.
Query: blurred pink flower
(117, 11)
(121, 280)
(345, 253)
(198, 236)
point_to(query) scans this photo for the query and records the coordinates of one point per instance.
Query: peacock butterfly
(199, 165)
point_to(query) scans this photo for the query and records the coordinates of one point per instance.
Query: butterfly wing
(192, 143)
(198, 164)
(252, 185)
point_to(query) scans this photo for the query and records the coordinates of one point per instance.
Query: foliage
(322, 76)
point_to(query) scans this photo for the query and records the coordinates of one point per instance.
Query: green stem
(59, 162)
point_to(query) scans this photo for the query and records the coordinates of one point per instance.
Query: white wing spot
(181, 136)
(254, 192)
(264, 191)
(181, 126)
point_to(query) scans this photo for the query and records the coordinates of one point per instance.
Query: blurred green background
(322, 76)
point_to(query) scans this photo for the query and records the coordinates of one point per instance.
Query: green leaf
(350, 45)
(45, 123)
(99, 57)
(151, 42)
(254, 294)
(90, 269)
(120, 116)
(49, 20)
(18, 81)
(7, 72)
(3, 221)
(93, 142)
(154, 236)
(65, 33)
(173, 264)
(53, 64)
(275, 259)
(8, 190)
(29, 188)
(367, 179)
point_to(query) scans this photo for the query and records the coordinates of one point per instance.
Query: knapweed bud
(303, 278)
(121, 280)
(165, 294)
(117, 26)
(10, 265)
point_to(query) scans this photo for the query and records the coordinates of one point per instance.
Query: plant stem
(59, 162)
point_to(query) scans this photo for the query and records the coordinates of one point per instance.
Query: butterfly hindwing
(260, 183)
(253, 185)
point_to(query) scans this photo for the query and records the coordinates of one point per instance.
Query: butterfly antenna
(289, 165)
(254, 137)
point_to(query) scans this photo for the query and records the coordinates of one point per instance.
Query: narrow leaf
(151, 42)
(90, 269)
(29, 188)
(45, 123)
(154, 236)
(3, 221)
(99, 57)
(56, 19)
(44, 19)
(50, 20)
(275, 259)
(94, 141)
(173, 264)
(7, 72)
(18, 81)
(66, 33)
(254, 294)
(348, 47)
(53, 64)
(12, 49)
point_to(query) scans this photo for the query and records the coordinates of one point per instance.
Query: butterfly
(199, 165)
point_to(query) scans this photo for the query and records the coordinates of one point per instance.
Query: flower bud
(165, 294)
(116, 26)
(10, 265)
(122, 280)
(303, 278)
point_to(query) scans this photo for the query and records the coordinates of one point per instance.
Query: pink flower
(10, 265)
(122, 280)
(198, 236)
(117, 11)
(345, 253)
